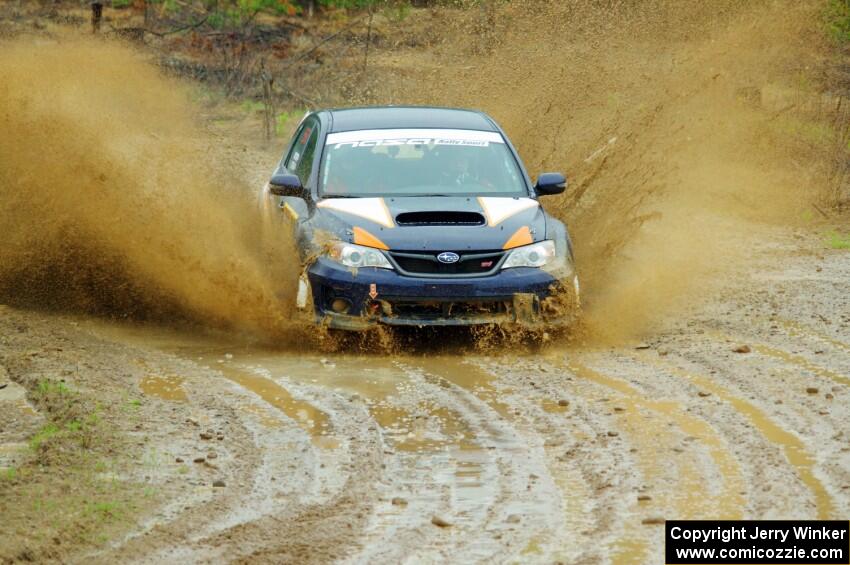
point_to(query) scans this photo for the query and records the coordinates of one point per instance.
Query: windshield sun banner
(390, 137)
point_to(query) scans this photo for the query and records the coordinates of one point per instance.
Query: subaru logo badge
(448, 257)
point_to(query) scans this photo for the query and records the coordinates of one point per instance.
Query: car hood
(458, 223)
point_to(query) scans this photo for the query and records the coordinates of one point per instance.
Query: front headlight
(358, 256)
(534, 255)
(543, 254)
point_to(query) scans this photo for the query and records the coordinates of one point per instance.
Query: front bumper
(380, 296)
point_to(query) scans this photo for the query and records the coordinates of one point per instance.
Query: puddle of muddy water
(374, 379)
(217, 354)
(305, 414)
(494, 465)
(467, 376)
(266, 419)
(431, 438)
(166, 388)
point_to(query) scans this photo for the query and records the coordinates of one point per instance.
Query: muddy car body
(417, 216)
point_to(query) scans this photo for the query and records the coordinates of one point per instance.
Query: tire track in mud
(785, 356)
(485, 443)
(794, 401)
(659, 433)
(238, 456)
(329, 511)
(592, 477)
(584, 506)
(453, 472)
(794, 449)
(445, 452)
(532, 420)
(796, 329)
(296, 494)
(587, 404)
(521, 515)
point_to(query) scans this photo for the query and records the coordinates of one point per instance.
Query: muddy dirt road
(572, 454)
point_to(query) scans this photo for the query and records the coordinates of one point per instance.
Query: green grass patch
(73, 508)
(837, 18)
(43, 436)
(252, 106)
(48, 387)
(61, 492)
(284, 122)
(397, 12)
(72, 423)
(105, 511)
(836, 240)
(811, 132)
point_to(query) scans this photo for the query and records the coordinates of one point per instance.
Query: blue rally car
(419, 216)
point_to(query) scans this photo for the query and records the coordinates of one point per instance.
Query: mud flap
(303, 292)
(525, 307)
(577, 289)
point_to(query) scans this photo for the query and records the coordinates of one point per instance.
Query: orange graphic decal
(362, 237)
(520, 237)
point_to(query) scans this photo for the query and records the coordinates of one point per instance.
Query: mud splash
(675, 126)
(115, 200)
(672, 123)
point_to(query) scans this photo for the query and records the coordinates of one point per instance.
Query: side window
(305, 165)
(300, 159)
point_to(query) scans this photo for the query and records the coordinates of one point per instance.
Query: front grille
(437, 310)
(469, 265)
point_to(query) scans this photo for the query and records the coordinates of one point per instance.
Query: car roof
(391, 117)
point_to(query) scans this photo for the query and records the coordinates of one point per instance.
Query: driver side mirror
(550, 183)
(287, 184)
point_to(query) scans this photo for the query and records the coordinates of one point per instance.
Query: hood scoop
(440, 219)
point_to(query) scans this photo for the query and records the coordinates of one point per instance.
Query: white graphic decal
(384, 137)
(373, 209)
(498, 210)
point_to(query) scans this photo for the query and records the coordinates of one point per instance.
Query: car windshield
(420, 162)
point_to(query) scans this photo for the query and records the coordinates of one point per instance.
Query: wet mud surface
(574, 453)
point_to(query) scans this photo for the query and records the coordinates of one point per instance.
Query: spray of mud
(672, 121)
(115, 201)
(670, 118)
